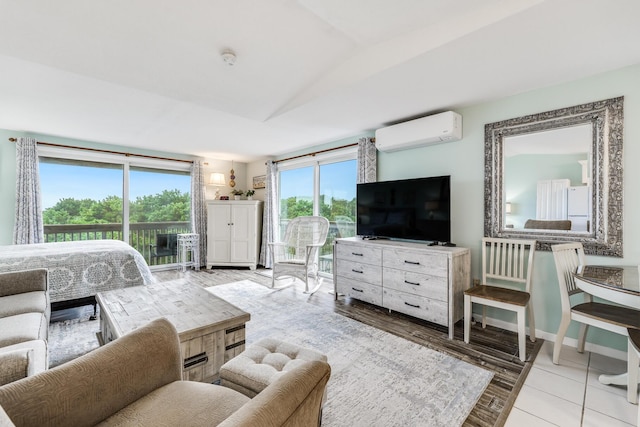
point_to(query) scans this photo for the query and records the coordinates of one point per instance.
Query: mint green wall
(8, 171)
(523, 172)
(464, 161)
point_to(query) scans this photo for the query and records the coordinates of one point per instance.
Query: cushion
(22, 327)
(14, 365)
(28, 302)
(22, 360)
(262, 363)
(180, 403)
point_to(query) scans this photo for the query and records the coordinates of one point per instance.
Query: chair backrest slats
(567, 257)
(508, 260)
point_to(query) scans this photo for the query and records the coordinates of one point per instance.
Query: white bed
(79, 270)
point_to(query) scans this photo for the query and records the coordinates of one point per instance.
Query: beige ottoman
(261, 363)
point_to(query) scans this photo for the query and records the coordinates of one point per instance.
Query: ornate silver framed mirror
(557, 177)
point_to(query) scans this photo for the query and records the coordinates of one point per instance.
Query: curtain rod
(50, 144)
(373, 140)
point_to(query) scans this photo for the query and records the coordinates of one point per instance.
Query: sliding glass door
(159, 209)
(144, 202)
(81, 200)
(326, 187)
(337, 203)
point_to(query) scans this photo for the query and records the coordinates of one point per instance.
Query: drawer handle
(411, 262)
(357, 290)
(411, 283)
(412, 305)
(356, 254)
(192, 361)
(357, 271)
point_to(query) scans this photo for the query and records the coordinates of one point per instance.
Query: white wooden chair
(614, 318)
(507, 264)
(297, 254)
(633, 360)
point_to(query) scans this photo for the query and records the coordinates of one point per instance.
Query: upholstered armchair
(137, 380)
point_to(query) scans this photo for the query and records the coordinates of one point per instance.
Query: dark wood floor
(493, 349)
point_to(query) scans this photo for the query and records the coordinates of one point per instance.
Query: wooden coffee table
(211, 330)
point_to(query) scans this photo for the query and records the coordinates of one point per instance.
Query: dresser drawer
(426, 285)
(433, 264)
(360, 290)
(417, 306)
(359, 253)
(359, 271)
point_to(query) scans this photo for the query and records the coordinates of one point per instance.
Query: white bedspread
(80, 269)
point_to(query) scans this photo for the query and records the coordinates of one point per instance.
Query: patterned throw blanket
(80, 269)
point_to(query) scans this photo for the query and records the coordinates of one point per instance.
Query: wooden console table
(211, 330)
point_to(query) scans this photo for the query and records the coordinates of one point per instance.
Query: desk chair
(614, 318)
(506, 263)
(567, 257)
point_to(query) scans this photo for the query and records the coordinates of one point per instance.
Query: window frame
(119, 159)
(350, 153)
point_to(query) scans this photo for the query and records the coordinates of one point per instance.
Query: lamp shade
(507, 207)
(217, 179)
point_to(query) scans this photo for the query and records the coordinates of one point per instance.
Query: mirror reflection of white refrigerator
(579, 208)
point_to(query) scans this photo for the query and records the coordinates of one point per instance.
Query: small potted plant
(250, 194)
(237, 194)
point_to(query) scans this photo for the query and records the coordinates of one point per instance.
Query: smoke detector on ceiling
(229, 57)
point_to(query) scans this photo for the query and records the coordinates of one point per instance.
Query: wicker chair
(297, 255)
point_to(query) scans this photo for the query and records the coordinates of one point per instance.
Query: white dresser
(234, 231)
(423, 281)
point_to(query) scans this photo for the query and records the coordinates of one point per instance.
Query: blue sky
(58, 181)
(336, 180)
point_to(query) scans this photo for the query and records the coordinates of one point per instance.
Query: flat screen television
(409, 209)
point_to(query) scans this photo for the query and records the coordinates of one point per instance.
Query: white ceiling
(148, 73)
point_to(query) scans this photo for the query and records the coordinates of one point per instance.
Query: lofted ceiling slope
(149, 74)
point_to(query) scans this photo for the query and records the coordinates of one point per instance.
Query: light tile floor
(569, 394)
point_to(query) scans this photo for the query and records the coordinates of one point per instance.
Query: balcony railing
(142, 236)
(337, 229)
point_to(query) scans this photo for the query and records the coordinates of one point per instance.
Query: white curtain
(552, 199)
(367, 161)
(270, 216)
(199, 208)
(28, 222)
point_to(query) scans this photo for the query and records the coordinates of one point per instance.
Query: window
(97, 196)
(159, 209)
(326, 187)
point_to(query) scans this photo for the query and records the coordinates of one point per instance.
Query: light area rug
(377, 379)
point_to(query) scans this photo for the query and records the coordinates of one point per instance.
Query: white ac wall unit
(435, 129)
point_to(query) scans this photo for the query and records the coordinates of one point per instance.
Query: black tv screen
(410, 209)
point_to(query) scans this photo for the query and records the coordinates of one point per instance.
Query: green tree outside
(170, 205)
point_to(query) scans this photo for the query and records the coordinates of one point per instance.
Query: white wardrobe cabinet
(234, 230)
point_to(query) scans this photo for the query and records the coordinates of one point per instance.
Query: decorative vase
(237, 197)
(249, 197)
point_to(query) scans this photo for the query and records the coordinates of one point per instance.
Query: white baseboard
(571, 342)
